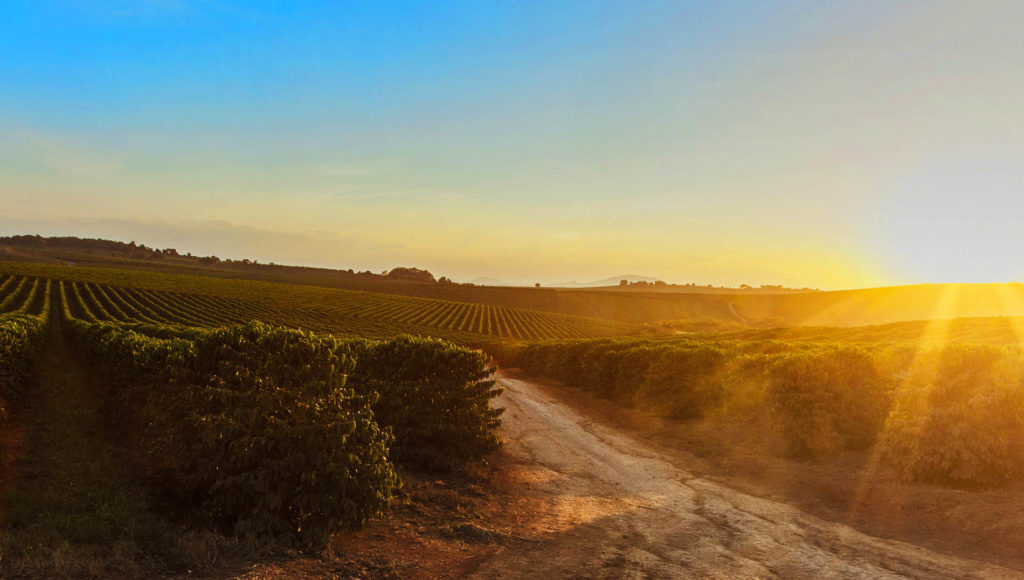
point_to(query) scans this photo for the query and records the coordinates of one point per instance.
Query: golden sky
(831, 146)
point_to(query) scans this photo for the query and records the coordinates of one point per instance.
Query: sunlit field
(241, 372)
(494, 290)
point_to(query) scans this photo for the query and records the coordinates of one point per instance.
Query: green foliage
(676, 379)
(828, 399)
(256, 425)
(685, 382)
(948, 415)
(149, 299)
(959, 415)
(250, 424)
(20, 337)
(435, 397)
(22, 331)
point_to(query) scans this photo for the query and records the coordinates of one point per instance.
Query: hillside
(144, 297)
(885, 305)
(610, 303)
(639, 303)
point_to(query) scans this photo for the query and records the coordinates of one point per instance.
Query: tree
(413, 274)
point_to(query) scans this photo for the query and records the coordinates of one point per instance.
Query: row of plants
(275, 432)
(22, 332)
(369, 315)
(948, 414)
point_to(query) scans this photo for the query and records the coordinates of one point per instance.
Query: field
(753, 307)
(257, 435)
(213, 384)
(142, 297)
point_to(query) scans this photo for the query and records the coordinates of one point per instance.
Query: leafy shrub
(252, 424)
(828, 399)
(435, 397)
(683, 382)
(950, 415)
(20, 338)
(958, 417)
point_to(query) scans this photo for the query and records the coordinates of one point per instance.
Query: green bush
(250, 424)
(435, 397)
(958, 417)
(20, 338)
(950, 415)
(828, 399)
(684, 382)
(671, 378)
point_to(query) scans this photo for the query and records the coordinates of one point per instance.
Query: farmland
(139, 297)
(620, 306)
(257, 433)
(220, 389)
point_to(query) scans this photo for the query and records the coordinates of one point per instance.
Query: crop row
(23, 295)
(486, 319)
(275, 432)
(941, 413)
(23, 319)
(353, 313)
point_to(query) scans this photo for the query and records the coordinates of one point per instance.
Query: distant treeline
(661, 286)
(143, 252)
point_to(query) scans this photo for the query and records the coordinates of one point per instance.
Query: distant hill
(885, 305)
(488, 281)
(612, 281)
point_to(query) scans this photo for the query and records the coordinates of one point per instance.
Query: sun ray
(936, 332)
(1012, 302)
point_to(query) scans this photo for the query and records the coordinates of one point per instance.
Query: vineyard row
(358, 314)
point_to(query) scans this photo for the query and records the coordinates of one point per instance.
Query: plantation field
(149, 298)
(884, 305)
(250, 432)
(253, 428)
(995, 330)
(612, 305)
(859, 307)
(939, 411)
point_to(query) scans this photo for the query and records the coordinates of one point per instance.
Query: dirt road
(618, 509)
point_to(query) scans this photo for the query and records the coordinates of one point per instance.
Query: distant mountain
(488, 281)
(612, 281)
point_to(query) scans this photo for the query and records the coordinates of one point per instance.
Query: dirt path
(740, 317)
(617, 509)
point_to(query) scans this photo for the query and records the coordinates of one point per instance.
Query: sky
(819, 144)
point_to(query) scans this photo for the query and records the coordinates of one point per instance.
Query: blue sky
(803, 143)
